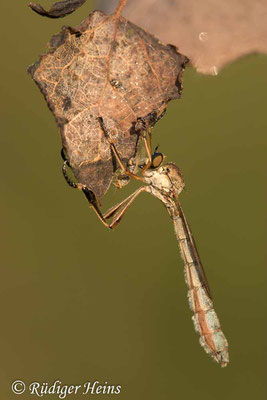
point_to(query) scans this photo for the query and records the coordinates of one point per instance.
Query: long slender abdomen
(205, 318)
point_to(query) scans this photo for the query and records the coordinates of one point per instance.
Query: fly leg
(146, 136)
(119, 210)
(123, 169)
(116, 212)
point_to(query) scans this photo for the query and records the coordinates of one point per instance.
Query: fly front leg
(124, 170)
(147, 143)
(146, 130)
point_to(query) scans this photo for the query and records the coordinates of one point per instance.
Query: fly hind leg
(116, 212)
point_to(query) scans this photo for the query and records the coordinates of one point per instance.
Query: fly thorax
(159, 179)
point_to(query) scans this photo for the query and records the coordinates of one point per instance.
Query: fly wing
(188, 246)
(205, 319)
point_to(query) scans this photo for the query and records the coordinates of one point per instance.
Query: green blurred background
(81, 303)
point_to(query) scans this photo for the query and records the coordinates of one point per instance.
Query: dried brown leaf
(212, 33)
(106, 67)
(58, 10)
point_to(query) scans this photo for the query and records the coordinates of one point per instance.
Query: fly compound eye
(157, 159)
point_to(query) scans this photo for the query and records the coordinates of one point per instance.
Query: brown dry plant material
(58, 10)
(212, 33)
(110, 68)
